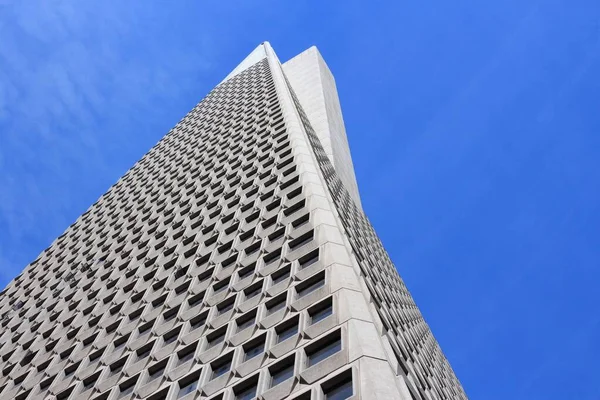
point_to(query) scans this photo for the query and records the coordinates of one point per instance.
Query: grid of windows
(182, 252)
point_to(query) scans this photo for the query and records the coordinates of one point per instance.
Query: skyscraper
(233, 261)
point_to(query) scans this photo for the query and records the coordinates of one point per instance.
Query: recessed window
(120, 343)
(170, 337)
(88, 383)
(220, 286)
(144, 352)
(320, 311)
(225, 306)
(195, 300)
(254, 349)
(126, 388)
(324, 348)
(272, 257)
(96, 355)
(309, 259)
(116, 367)
(246, 272)
(246, 390)
(311, 286)
(246, 321)
(71, 370)
(215, 338)
(340, 388)
(185, 355)
(185, 389)
(280, 275)
(287, 332)
(170, 315)
(221, 366)
(156, 372)
(281, 372)
(198, 322)
(300, 221)
(302, 240)
(275, 305)
(144, 329)
(253, 291)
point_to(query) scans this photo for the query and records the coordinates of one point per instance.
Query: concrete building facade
(233, 261)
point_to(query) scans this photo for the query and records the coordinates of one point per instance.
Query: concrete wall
(315, 87)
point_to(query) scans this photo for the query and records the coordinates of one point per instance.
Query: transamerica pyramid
(232, 262)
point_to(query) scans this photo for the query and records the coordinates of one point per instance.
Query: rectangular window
(282, 373)
(185, 357)
(276, 305)
(322, 350)
(287, 332)
(340, 388)
(253, 291)
(280, 275)
(198, 321)
(254, 350)
(309, 259)
(304, 290)
(320, 312)
(185, 389)
(156, 372)
(216, 338)
(245, 321)
(221, 367)
(247, 393)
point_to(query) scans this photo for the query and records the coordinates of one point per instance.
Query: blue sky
(474, 128)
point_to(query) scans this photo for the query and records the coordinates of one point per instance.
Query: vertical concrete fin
(315, 87)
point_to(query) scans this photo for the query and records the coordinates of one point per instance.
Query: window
(301, 241)
(312, 285)
(88, 383)
(220, 286)
(254, 349)
(186, 355)
(71, 370)
(281, 372)
(272, 256)
(286, 332)
(246, 272)
(120, 343)
(170, 337)
(144, 329)
(246, 390)
(320, 311)
(144, 352)
(156, 372)
(96, 355)
(246, 321)
(187, 388)
(216, 337)
(127, 388)
(324, 348)
(170, 315)
(309, 259)
(198, 321)
(280, 275)
(339, 388)
(116, 367)
(253, 290)
(195, 300)
(278, 234)
(276, 304)
(221, 366)
(226, 305)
